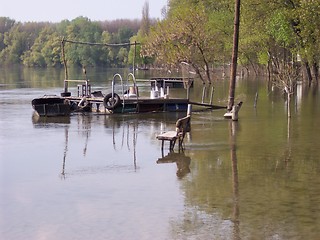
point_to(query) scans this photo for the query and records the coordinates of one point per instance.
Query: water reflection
(39, 122)
(120, 130)
(233, 127)
(256, 179)
(127, 128)
(84, 122)
(182, 161)
(119, 136)
(66, 134)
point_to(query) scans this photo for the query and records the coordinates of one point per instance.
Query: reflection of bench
(182, 161)
(182, 127)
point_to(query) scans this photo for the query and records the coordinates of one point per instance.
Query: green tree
(19, 39)
(124, 34)
(15, 42)
(5, 26)
(136, 55)
(145, 23)
(104, 55)
(83, 30)
(255, 42)
(280, 30)
(45, 50)
(308, 31)
(122, 56)
(189, 34)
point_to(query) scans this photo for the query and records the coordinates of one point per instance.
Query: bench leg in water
(171, 142)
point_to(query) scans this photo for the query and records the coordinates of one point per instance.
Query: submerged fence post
(189, 111)
(211, 97)
(203, 93)
(235, 110)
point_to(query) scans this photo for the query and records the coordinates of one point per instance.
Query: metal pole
(65, 65)
(134, 57)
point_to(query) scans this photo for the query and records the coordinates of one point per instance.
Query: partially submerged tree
(286, 79)
(281, 29)
(189, 34)
(307, 30)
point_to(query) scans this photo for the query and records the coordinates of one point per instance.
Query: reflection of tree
(212, 204)
(288, 150)
(233, 154)
(66, 134)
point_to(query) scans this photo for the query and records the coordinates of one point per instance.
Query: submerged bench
(182, 127)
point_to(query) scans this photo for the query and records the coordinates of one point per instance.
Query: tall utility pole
(234, 55)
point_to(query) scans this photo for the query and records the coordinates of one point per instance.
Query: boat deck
(132, 100)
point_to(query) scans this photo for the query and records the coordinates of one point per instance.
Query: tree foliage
(45, 50)
(190, 34)
(281, 29)
(268, 29)
(39, 44)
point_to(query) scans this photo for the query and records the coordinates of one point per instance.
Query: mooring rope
(101, 44)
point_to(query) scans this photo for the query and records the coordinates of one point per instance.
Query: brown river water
(97, 176)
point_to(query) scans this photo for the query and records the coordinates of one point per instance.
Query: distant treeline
(275, 37)
(38, 44)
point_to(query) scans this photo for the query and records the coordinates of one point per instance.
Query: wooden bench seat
(170, 136)
(182, 127)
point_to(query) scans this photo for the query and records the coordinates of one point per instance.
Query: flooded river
(95, 176)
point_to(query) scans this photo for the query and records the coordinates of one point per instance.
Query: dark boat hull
(51, 106)
(152, 105)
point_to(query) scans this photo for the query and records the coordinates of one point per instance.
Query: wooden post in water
(189, 110)
(234, 55)
(65, 65)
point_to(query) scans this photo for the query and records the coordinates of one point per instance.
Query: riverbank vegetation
(274, 35)
(36, 44)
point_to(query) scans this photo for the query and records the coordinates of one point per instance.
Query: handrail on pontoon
(113, 83)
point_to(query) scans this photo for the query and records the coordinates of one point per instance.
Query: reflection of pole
(86, 143)
(65, 153)
(86, 121)
(113, 137)
(135, 135)
(235, 180)
(234, 55)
